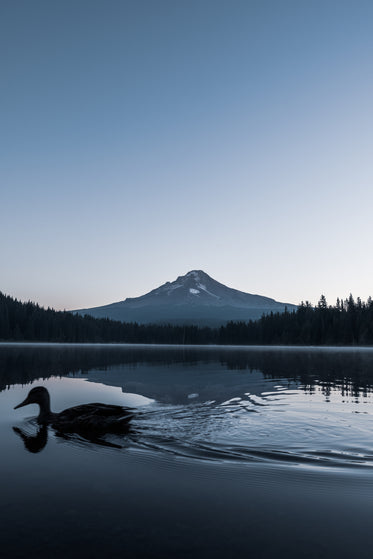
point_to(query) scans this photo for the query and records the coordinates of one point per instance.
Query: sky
(142, 139)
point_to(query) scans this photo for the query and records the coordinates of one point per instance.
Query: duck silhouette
(88, 420)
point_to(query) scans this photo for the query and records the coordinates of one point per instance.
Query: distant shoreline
(348, 324)
(5, 343)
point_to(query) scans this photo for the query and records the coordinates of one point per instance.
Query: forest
(348, 322)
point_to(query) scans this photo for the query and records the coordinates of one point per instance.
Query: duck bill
(24, 403)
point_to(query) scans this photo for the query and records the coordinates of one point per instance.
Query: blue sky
(142, 139)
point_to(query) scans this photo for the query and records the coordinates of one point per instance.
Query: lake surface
(266, 452)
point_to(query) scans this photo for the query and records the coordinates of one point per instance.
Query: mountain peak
(193, 298)
(197, 275)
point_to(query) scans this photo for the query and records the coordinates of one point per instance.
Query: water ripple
(248, 429)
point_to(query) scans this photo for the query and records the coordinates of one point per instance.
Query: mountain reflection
(345, 370)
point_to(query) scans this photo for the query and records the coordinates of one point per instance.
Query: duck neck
(45, 413)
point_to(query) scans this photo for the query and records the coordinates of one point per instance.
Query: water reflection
(348, 370)
(36, 442)
(255, 404)
(240, 447)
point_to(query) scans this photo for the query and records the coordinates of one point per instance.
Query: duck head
(38, 395)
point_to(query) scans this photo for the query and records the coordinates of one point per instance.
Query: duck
(87, 419)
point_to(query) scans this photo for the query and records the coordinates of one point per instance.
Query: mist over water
(257, 442)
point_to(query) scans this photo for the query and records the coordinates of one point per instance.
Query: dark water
(262, 452)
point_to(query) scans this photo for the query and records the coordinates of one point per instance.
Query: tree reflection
(348, 371)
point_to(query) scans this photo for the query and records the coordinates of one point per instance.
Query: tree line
(349, 322)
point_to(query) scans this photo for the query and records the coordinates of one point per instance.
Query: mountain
(195, 298)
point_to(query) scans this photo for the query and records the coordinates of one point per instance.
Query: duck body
(92, 418)
(87, 419)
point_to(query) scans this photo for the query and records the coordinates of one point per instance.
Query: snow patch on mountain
(204, 288)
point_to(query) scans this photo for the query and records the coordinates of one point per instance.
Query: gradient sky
(143, 139)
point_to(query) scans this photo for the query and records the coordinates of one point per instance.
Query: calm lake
(262, 452)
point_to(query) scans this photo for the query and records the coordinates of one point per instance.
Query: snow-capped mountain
(194, 298)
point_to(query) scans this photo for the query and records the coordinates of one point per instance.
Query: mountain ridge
(195, 298)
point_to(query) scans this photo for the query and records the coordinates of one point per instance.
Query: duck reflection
(33, 443)
(36, 442)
